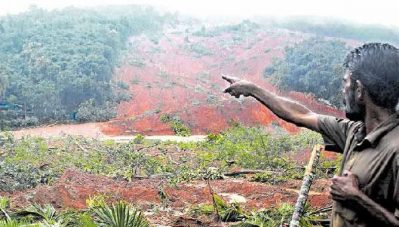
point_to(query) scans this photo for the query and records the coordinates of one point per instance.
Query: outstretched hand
(238, 87)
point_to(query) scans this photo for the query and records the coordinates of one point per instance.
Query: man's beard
(353, 110)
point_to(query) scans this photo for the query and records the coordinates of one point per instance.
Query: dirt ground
(75, 187)
(93, 130)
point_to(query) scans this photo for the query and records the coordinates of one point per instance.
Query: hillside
(180, 75)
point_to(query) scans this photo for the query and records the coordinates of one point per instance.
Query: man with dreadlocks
(366, 191)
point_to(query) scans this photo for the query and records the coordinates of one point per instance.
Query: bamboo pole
(306, 183)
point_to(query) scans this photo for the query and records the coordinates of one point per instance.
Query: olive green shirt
(373, 158)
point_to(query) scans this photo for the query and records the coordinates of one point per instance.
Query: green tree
(3, 81)
(57, 63)
(312, 66)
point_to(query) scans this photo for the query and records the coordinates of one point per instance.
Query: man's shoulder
(392, 140)
(344, 123)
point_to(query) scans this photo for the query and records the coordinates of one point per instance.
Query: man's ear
(360, 91)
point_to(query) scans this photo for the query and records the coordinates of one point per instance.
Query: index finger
(230, 79)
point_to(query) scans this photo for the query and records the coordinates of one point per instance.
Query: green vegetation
(243, 28)
(58, 65)
(99, 213)
(199, 50)
(279, 216)
(177, 125)
(25, 164)
(137, 62)
(239, 145)
(224, 211)
(122, 214)
(278, 177)
(228, 212)
(318, 26)
(312, 66)
(245, 31)
(272, 217)
(329, 168)
(139, 139)
(341, 29)
(119, 215)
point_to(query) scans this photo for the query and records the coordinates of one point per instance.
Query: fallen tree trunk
(245, 171)
(306, 183)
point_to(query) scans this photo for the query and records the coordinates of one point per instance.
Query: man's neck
(375, 115)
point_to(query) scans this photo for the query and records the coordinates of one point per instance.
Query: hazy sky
(362, 11)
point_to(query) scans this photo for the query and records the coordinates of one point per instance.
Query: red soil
(75, 187)
(173, 80)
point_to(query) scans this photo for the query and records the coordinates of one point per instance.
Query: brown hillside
(180, 75)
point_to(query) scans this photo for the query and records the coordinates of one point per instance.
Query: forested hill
(79, 65)
(58, 65)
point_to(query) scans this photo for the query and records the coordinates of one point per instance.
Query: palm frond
(4, 204)
(47, 212)
(119, 215)
(15, 223)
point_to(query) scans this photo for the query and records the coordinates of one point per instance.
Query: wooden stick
(306, 183)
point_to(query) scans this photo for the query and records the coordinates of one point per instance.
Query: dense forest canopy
(312, 66)
(57, 65)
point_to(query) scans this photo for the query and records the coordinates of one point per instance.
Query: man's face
(353, 110)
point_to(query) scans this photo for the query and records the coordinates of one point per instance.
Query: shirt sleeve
(334, 131)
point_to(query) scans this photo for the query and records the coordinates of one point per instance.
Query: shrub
(119, 215)
(177, 125)
(90, 111)
(180, 128)
(123, 85)
(257, 148)
(139, 139)
(199, 50)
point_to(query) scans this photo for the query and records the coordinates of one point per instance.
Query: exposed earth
(180, 74)
(74, 188)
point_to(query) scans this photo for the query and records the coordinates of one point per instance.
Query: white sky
(362, 11)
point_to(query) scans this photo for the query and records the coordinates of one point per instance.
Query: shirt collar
(374, 136)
